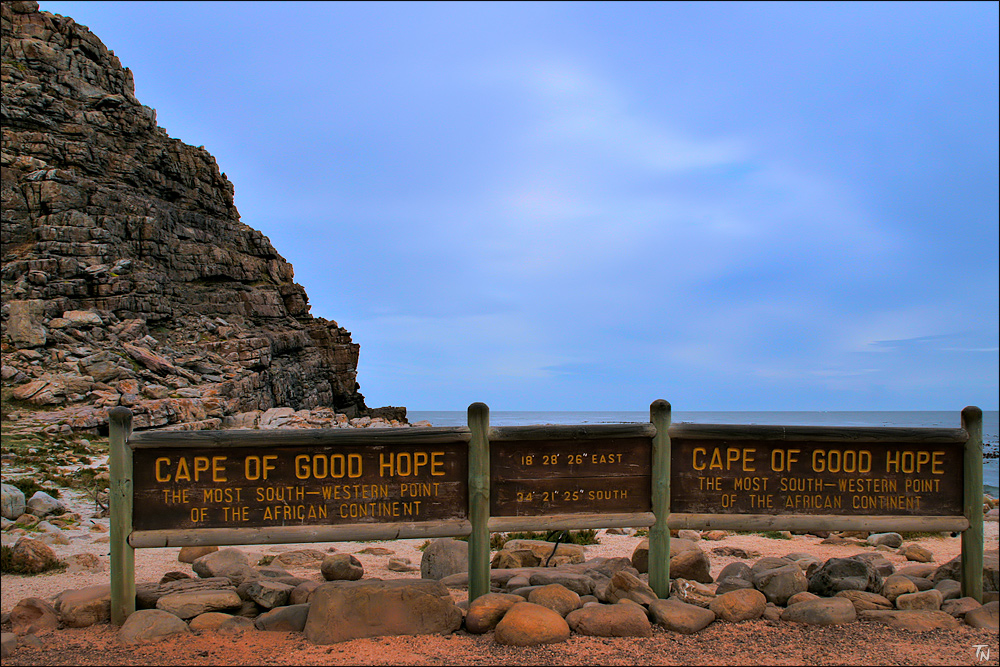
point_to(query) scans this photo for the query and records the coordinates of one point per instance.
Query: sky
(590, 206)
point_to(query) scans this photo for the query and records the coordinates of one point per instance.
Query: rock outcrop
(128, 277)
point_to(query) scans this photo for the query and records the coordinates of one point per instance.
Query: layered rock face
(124, 258)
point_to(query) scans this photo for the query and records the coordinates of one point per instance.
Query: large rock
(897, 585)
(581, 584)
(486, 611)
(24, 327)
(151, 625)
(556, 597)
(780, 583)
(916, 553)
(190, 604)
(12, 503)
(84, 607)
(844, 574)
(283, 619)
(191, 554)
(527, 624)
(42, 504)
(444, 557)
(32, 556)
(692, 564)
(626, 586)
(821, 611)
(341, 567)
(561, 554)
(230, 563)
(691, 592)
(741, 605)
(864, 601)
(640, 555)
(680, 617)
(33, 616)
(344, 610)
(923, 600)
(991, 571)
(987, 616)
(610, 620)
(893, 540)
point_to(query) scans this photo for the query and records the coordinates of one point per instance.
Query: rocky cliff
(127, 276)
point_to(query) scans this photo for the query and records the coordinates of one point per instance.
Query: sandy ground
(757, 642)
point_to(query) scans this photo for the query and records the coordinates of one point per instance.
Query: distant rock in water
(128, 278)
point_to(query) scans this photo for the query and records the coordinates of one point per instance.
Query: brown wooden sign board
(551, 477)
(250, 487)
(767, 477)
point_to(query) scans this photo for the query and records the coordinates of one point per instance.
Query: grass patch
(29, 486)
(774, 534)
(8, 566)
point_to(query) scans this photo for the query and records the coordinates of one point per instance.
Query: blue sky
(577, 206)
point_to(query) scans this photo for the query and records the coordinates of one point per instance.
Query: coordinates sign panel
(248, 487)
(546, 477)
(763, 477)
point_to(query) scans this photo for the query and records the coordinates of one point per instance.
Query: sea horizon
(918, 418)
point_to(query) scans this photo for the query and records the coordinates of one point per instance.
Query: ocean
(946, 419)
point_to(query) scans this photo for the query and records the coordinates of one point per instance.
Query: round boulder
(528, 624)
(341, 567)
(741, 605)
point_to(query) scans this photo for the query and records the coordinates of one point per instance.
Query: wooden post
(972, 538)
(479, 500)
(659, 533)
(120, 500)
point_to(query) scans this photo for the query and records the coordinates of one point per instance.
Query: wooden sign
(766, 477)
(239, 487)
(544, 477)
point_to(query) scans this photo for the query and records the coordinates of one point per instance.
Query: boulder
(192, 603)
(780, 583)
(960, 607)
(892, 540)
(210, 620)
(692, 564)
(864, 601)
(916, 553)
(842, 574)
(897, 585)
(148, 593)
(950, 589)
(740, 605)
(8, 642)
(580, 584)
(444, 557)
(33, 616)
(84, 607)
(691, 592)
(151, 625)
(527, 624)
(12, 503)
(573, 553)
(301, 593)
(626, 586)
(882, 565)
(987, 616)
(191, 554)
(486, 611)
(283, 619)
(230, 563)
(737, 570)
(680, 617)
(991, 571)
(341, 567)
(640, 555)
(610, 620)
(923, 600)
(269, 594)
(505, 558)
(821, 611)
(803, 597)
(344, 610)
(299, 558)
(42, 504)
(32, 556)
(556, 597)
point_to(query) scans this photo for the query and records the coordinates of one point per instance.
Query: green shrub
(774, 534)
(7, 565)
(29, 486)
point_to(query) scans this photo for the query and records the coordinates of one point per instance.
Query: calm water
(952, 419)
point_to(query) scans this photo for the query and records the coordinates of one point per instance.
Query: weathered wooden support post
(479, 500)
(972, 538)
(120, 501)
(659, 533)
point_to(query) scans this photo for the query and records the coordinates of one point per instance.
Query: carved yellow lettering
(160, 477)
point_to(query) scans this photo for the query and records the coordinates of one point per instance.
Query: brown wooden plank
(543, 432)
(757, 522)
(250, 487)
(768, 477)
